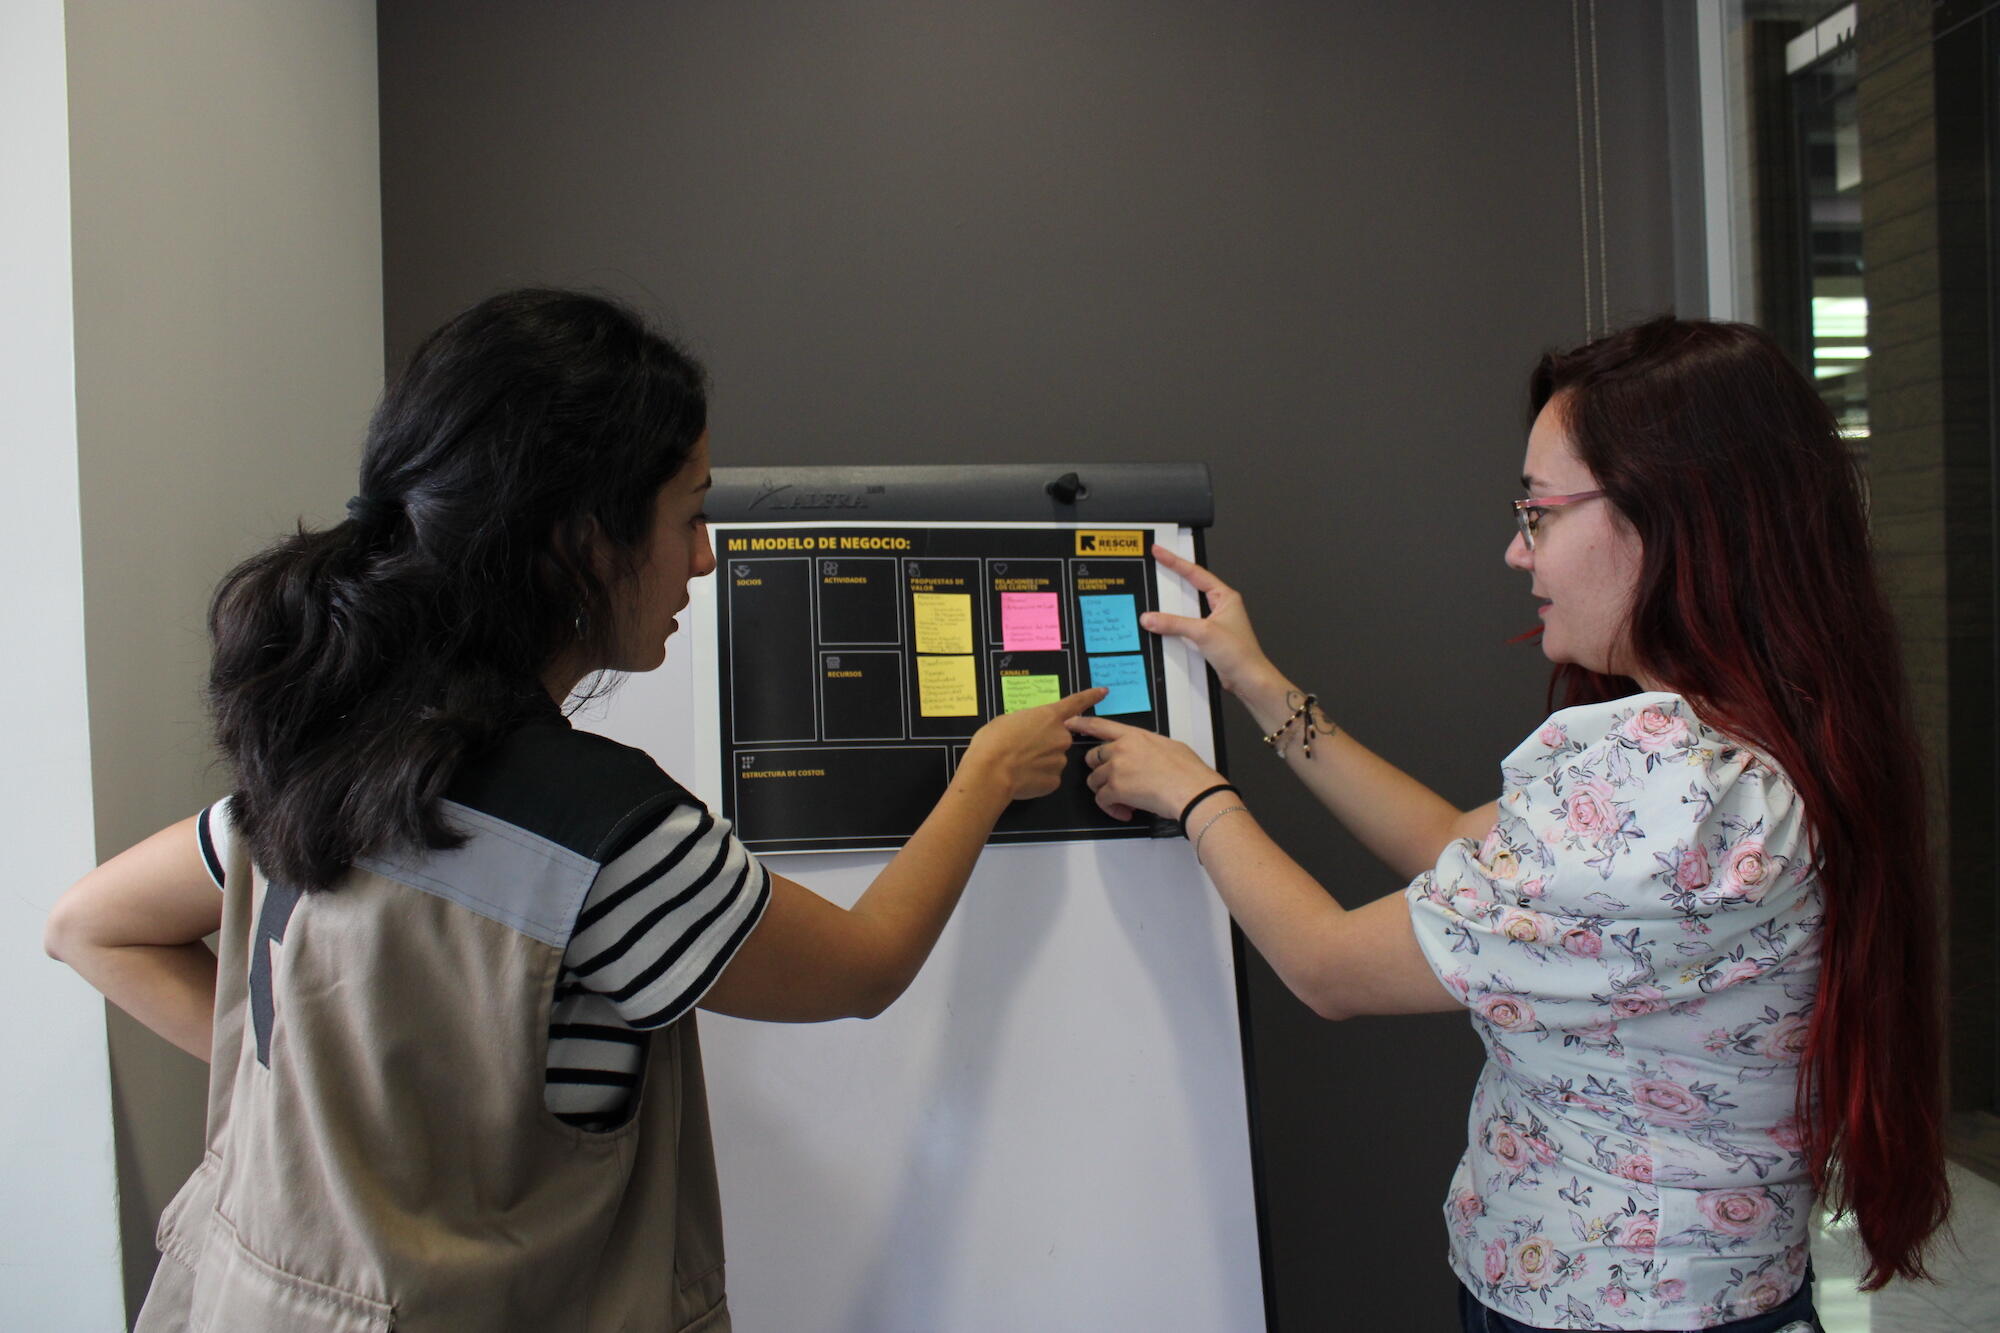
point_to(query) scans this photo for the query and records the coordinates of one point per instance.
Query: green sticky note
(1018, 692)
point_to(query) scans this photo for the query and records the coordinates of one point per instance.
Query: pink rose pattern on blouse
(1636, 941)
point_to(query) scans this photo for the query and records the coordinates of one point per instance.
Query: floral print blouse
(1637, 943)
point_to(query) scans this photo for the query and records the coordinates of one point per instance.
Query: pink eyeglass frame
(1523, 509)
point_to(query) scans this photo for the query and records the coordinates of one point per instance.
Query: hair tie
(372, 514)
(1199, 797)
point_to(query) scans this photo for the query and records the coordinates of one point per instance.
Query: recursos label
(1110, 543)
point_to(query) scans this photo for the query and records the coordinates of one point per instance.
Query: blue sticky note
(1125, 677)
(1110, 623)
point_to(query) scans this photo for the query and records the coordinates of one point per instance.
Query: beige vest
(388, 1162)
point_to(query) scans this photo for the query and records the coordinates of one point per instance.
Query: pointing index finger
(1102, 728)
(1196, 575)
(1073, 705)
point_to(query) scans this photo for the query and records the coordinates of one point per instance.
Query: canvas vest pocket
(183, 1230)
(235, 1291)
(181, 1237)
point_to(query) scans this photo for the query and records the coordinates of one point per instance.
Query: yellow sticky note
(943, 622)
(947, 687)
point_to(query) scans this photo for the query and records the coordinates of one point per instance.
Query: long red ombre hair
(1757, 601)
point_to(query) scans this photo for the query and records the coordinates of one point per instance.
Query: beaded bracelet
(1325, 726)
(1213, 820)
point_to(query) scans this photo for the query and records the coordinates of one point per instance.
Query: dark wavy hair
(1757, 601)
(356, 667)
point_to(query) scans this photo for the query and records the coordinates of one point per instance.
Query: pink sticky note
(1028, 621)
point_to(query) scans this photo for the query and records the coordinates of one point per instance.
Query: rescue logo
(1110, 543)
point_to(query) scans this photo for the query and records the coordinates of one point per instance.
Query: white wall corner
(190, 235)
(59, 1243)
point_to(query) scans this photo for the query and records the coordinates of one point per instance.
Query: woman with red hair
(1696, 931)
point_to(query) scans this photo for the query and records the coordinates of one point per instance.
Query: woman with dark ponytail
(455, 1079)
(1697, 931)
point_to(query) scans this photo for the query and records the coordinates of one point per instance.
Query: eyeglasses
(1528, 513)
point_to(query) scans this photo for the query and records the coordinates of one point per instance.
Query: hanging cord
(1582, 162)
(1597, 139)
(1590, 174)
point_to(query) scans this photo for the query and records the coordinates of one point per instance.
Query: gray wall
(227, 249)
(1318, 245)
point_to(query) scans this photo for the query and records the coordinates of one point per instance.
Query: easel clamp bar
(1179, 493)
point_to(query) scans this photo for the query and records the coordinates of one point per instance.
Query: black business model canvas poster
(856, 662)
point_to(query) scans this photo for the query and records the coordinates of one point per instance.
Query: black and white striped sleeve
(213, 834)
(665, 916)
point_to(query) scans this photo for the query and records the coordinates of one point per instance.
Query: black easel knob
(1068, 488)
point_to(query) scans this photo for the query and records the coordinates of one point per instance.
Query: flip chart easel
(1050, 1129)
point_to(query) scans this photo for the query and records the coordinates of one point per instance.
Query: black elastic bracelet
(1188, 809)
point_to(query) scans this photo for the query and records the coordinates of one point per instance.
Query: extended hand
(1223, 635)
(1028, 749)
(1136, 769)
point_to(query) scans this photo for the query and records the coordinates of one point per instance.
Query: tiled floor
(1966, 1297)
